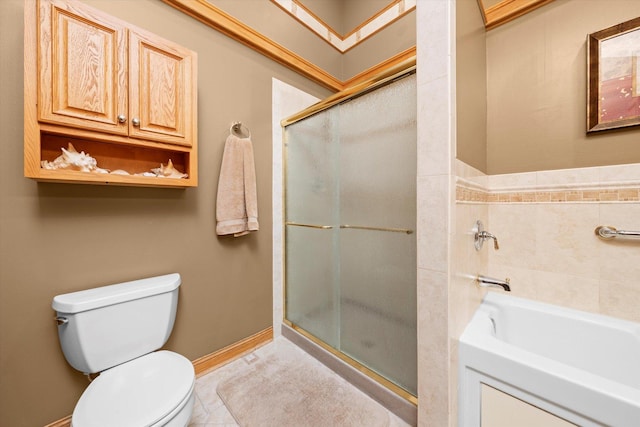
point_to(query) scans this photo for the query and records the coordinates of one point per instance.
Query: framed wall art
(613, 77)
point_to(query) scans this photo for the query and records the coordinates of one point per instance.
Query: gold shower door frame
(385, 77)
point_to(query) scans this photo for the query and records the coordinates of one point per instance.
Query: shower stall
(350, 220)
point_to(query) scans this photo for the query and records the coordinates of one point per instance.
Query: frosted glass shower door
(311, 227)
(350, 242)
(378, 261)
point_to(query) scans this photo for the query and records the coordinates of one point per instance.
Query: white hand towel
(237, 201)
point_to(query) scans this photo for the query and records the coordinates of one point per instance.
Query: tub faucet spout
(487, 282)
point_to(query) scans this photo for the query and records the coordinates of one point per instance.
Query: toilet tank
(103, 327)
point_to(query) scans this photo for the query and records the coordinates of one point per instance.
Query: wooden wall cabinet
(121, 94)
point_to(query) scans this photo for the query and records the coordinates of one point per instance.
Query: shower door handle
(355, 227)
(298, 224)
(393, 230)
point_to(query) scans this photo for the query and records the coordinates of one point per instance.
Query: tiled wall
(436, 126)
(545, 224)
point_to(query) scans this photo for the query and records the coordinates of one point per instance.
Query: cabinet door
(162, 90)
(500, 409)
(82, 68)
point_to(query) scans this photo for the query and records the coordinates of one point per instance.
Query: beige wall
(536, 101)
(471, 85)
(329, 11)
(358, 11)
(268, 19)
(57, 238)
(343, 16)
(395, 38)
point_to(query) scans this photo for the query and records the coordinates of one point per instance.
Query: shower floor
(370, 336)
(210, 410)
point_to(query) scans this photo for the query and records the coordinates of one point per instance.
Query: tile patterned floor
(210, 410)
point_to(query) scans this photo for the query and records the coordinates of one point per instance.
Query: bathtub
(582, 367)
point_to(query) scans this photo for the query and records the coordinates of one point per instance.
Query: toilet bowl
(117, 330)
(153, 390)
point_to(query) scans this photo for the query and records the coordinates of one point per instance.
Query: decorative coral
(168, 171)
(70, 159)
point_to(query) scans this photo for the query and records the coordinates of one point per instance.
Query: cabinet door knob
(135, 122)
(122, 118)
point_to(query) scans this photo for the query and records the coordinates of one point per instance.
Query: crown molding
(508, 10)
(226, 24)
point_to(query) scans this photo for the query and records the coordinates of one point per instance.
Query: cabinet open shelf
(131, 158)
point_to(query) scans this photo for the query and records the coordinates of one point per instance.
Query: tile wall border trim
(597, 185)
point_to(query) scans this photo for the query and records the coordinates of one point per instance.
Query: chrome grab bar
(358, 227)
(609, 232)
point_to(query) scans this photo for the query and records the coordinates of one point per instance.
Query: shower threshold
(392, 397)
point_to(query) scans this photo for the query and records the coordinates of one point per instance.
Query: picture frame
(613, 77)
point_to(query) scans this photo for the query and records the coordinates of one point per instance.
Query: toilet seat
(147, 391)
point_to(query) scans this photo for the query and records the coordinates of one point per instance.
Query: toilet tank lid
(76, 302)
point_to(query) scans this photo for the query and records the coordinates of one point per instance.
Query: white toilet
(116, 330)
